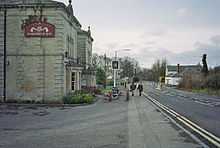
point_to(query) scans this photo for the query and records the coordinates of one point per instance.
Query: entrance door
(73, 81)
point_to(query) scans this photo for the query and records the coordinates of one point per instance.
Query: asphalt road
(202, 109)
(117, 124)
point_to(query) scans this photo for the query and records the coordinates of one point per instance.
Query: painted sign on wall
(39, 29)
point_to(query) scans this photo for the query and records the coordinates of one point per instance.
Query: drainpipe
(5, 54)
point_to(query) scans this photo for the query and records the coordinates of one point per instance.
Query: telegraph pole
(105, 58)
(115, 70)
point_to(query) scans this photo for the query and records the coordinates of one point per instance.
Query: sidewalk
(149, 128)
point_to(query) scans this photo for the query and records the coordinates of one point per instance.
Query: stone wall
(36, 68)
(1, 53)
(81, 39)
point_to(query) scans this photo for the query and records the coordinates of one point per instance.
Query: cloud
(216, 40)
(148, 55)
(182, 12)
(154, 33)
(130, 45)
(211, 48)
(112, 45)
(150, 42)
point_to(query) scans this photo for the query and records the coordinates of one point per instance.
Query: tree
(145, 74)
(205, 70)
(100, 76)
(127, 67)
(163, 67)
(95, 60)
(158, 69)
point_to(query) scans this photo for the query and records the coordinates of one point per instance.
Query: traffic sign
(115, 65)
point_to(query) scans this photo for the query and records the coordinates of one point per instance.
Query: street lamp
(115, 69)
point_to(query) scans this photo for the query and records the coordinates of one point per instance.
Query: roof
(87, 33)
(44, 3)
(183, 67)
(7, 2)
(171, 67)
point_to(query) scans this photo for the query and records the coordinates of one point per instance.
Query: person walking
(140, 88)
(132, 88)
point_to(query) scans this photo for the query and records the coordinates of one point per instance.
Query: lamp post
(115, 70)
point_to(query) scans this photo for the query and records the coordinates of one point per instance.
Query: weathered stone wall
(1, 53)
(36, 69)
(81, 43)
(85, 53)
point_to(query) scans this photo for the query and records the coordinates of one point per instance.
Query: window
(73, 80)
(70, 46)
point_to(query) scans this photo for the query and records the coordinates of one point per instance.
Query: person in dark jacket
(140, 88)
(132, 88)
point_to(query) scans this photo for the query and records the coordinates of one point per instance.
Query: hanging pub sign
(39, 29)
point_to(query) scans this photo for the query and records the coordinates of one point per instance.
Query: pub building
(38, 50)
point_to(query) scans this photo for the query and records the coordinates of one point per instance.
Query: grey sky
(179, 30)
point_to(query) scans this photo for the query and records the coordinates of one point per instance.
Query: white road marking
(207, 135)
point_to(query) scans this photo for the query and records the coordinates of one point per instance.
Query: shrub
(198, 81)
(213, 81)
(88, 98)
(190, 81)
(67, 99)
(78, 97)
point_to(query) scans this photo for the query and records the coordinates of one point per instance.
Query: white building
(174, 73)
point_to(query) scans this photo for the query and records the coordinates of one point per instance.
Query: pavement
(150, 128)
(202, 109)
(116, 124)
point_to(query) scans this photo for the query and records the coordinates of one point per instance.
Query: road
(116, 124)
(199, 108)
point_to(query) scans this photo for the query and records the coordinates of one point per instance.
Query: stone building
(85, 55)
(41, 50)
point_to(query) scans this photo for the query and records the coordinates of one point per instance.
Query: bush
(213, 81)
(190, 81)
(88, 98)
(198, 81)
(78, 97)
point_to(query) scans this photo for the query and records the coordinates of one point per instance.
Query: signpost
(115, 67)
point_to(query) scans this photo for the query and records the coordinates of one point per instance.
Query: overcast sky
(178, 30)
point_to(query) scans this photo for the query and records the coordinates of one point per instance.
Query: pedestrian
(140, 88)
(132, 88)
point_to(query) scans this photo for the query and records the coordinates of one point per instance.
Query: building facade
(174, 73)
(41, 59)
(85, 41)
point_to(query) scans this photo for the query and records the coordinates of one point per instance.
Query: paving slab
(149, 128)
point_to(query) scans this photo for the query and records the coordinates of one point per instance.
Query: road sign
(115, 65)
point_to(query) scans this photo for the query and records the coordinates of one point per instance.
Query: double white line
(214, 140)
